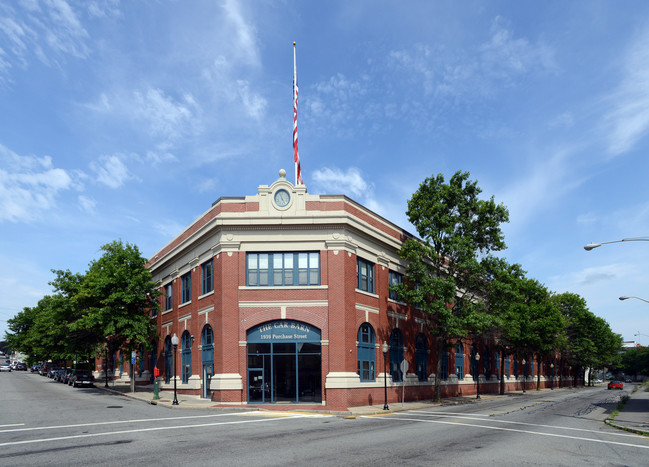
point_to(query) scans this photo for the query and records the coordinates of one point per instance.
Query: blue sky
(128, 119)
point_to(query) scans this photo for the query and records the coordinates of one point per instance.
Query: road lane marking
(115, 422)
(528, 424)
(13, 424)
(142, 430)
(554, 435)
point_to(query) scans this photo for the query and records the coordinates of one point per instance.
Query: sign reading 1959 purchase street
(283, 330)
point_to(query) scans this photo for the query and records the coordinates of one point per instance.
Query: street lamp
(174, 342)
(551, 376)
(477, 373)
(524, 374)
(385, 349)
(593, 245)
(637, 298)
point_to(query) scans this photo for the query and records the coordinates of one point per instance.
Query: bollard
(155, 390)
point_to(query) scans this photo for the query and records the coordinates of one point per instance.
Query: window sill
(167, 311)
(182, 305)
(370, 294)
(282, 287)
(211, 292)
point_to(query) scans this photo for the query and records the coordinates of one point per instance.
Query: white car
(5, 367)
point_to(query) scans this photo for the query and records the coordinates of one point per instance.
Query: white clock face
(282, 198)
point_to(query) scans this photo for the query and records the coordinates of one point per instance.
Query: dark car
(47, 368)
(36, 368)
(616, 385)
(21, 366)
(81, 378)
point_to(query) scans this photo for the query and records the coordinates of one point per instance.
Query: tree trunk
(538, 374)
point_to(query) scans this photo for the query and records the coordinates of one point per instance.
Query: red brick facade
(341, 231)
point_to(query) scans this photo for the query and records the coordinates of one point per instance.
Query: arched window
(366, 353)
(474, 362)
(459, 361)
(515, 366)
(486, 362)
(445, 364)
(421, 355)
(531, 371)
(186, 356)
(497, 364)
(169, 353)
(506, 366)
(153, 359)
(396, 355)
(141, 365)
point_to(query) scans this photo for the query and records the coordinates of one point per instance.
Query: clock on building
(282, 198)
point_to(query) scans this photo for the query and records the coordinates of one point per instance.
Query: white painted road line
(484, 427)
(117, 422)
(143, 430)
(612, 433)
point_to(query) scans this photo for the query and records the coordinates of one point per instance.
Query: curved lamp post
(637, 298)
(174, 342)
(384, 349)
(593, 245)
(477, 373)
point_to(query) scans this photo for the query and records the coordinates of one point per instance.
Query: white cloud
(337, 181)
(628, 119)
(87, 204)
(165, 117)
(245, 42)
(29, 186)
(254, 104)
(111, 171)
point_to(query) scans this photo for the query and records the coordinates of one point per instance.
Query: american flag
(296, 156)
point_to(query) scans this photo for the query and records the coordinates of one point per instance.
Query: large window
(366, 351)
(445, 364)
(395, 279)
(168, 290)
(459, 361)
(474, 363)
(168, 359)
(186, 356)
(365, 275)
(486, 362)
(421, 355)
(497, 363)
(396, 355)
(283, 269)
(207, 277)
(186, 287)
(506, 373)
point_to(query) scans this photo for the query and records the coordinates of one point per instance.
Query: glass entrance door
(256, 393)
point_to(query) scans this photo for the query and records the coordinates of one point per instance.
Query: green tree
(455, 227)
(115, 297)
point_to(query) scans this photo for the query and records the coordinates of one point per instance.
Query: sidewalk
(633, 417)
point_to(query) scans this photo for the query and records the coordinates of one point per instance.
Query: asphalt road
(47, 423)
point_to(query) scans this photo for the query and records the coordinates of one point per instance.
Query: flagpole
(296, 156)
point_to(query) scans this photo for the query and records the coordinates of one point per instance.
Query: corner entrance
(284, 363)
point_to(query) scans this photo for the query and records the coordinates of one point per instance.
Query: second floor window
(365, 275)
(186, 287)
(395, 279)
(168, 296)
(283, 269)
(208, 281)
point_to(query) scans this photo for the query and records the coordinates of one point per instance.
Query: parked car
(67, 375)
(629, 380)
(36, 368)
(21, 366)
(81, 378)
(616, 385)
(47, 368)
(5, 367)
(60, 374)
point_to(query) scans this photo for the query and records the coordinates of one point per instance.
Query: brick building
(282, 298)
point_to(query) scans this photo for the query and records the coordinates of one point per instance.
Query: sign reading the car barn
(283, 330)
